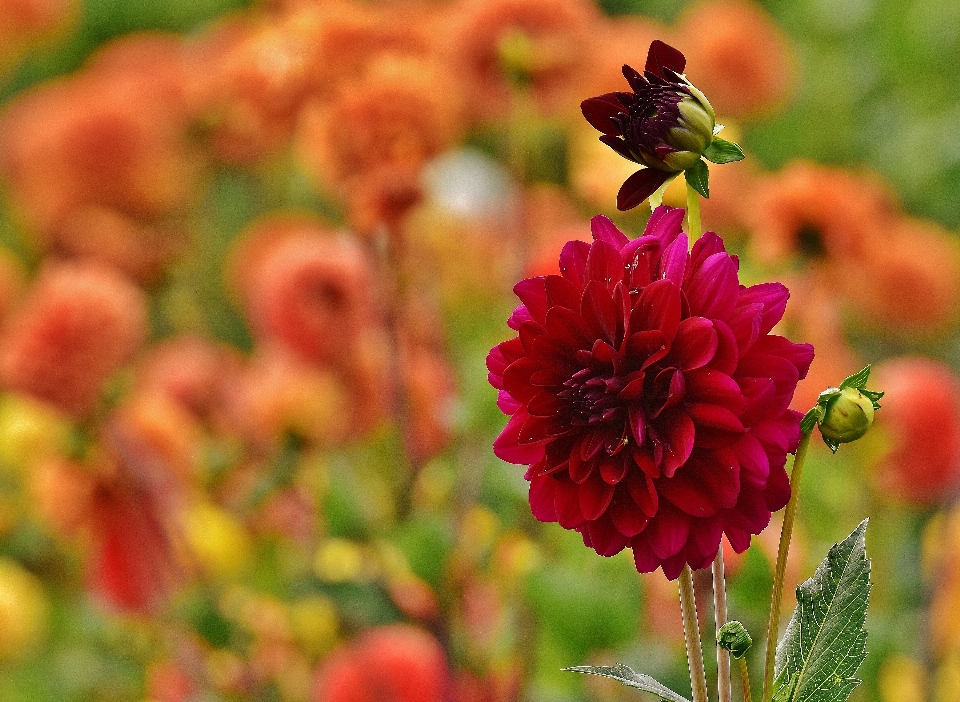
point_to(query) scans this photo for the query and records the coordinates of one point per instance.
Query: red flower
(648, 397)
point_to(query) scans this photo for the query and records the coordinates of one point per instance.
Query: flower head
(648, 397)
(665, 123)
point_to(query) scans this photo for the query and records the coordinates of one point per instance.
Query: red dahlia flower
(648, 397)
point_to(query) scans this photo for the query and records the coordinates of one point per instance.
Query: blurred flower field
(253, 258)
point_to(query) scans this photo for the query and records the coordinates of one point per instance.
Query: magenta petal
(727, 356)
(508, 448)
(614, 468)
(704, 247)
(673, 263)
(662, 55)
(604, 230)
(800, 355)
(694, 345)
(533, 294)
(626, 515)
(543, 498)
(604, 264)
(754, 462)
(573, 261)
(687, 492)
(713, 288)
(600, 110)
(643, 492)
(639, 187)
(506, 403)
(595, 496)
(567, 500)
(678, 437)
(605, 538)
(668, 532)
(644, 559)
(772, 296)
(714, 417)
(666, 223)
(658, 308)
(599, 312)
(714, 387)
(561, 291)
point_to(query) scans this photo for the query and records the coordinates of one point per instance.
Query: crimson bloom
(648, 397)
(665, 123)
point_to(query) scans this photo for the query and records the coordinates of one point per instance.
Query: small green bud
(849, 414)
(734, 637)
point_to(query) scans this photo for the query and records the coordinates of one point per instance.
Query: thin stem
(745, 680)
(786, 533)
(724, 687)
(693, 212)
(691, 633)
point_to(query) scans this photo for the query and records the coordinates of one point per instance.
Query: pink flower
(648, 397)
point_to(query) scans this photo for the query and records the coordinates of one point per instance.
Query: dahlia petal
(592, 444)
(713, 288)
(633, 390)
(511, 349)
(666, 224)
(533, 294)
(623, 303)
(739, 539)
(613, 469)
(537, 429)
(637, 423)
(567, 501)
(496, 364)
(800, 355)
(506, 403)
(713, 387)
(669, 387)
(658, 308)
(619, 145)
(662, 55)
(566, 328)
(643, 492)
(639, 187)
(595, 496)
(516, 379)
(760, 394)
(704, 542)
(751, 513)
(561, 291)
(704, 247)
(686, 492)
(544, 404)
(745, 325)
(694, 345)
(549, 377)
(636, 81)
(507, 447)
(600, 110)
(528, 333)
(777, 492)
(520, 315)
(605, 538)
(644, 558)
(714, 417)
(754, 463)
(781, 434)
(580, 469)
(650, 345)
(573, 261)
(727, 356)
(604, 264)
(543, 498)
(673, 263)
(603, 229)
(668, 532)
(626, 515)
(781, 371)
(599, 312)
(772, 296)
(677, 436)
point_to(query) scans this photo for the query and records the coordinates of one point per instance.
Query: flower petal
(605, 230)
(639, 187)
(662, 55)
(600, 110)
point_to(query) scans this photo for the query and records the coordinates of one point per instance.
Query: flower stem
(786, 532)
(693, 212)
(745, 680)
(691, 633)
(724, 691)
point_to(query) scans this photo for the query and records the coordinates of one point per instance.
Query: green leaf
(874, 396)
(723, 151)
(625, 675)
(857, 380)
(812, 418)
(698, 176)
(825, 641)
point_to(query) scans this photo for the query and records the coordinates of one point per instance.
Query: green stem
(724, 687)
(691, 634)
(786, 533)
(693, 212)
(745, 680)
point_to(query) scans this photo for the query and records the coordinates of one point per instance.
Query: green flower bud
(734, 637)
(849, 414)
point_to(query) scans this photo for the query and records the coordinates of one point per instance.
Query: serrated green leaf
(874, 396)
(834, 446)
(857, 380)
(625, 675)
(825, 641)
(698, 176)
(812, 418)
(723, 151)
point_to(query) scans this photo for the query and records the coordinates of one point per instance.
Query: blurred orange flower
(78, 324)
(738, 56)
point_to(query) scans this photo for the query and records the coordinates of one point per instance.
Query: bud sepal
(844, 413)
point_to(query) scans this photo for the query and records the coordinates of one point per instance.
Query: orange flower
(541, 42)
(908, 281)
(615, 42)
(24, 22)
(738, 56)
(304, 287)
(398, 117)
(815, 213)
(78, 324)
